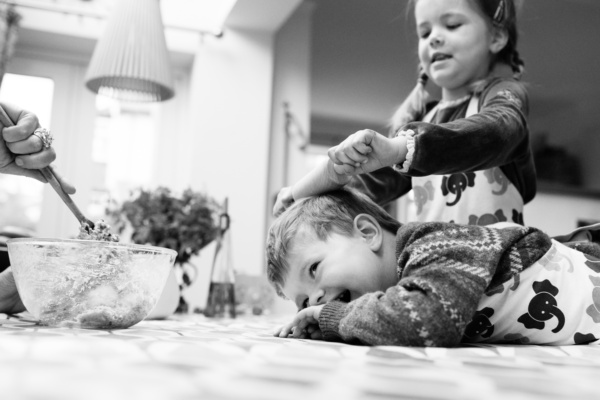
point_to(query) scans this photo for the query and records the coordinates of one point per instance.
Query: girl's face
(455, 44)
(340, 268)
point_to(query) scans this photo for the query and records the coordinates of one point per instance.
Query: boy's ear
(499, 40)
(367, 227)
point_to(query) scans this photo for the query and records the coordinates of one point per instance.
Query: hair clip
(499, 14)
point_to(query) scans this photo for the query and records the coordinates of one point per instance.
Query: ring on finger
(45, 136)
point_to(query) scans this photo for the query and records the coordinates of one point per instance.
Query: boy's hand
(320, 179)
(367, 151)
(284, 199)
(305, 325)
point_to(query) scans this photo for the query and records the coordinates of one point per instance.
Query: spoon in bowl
(48, 173)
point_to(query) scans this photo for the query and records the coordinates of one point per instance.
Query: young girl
(467, 156)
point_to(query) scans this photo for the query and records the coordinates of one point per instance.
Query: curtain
(9, 21)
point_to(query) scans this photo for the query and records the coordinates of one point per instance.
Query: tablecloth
(194, 357)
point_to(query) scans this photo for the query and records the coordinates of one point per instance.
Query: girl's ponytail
(412, 107)
(503, 15)
(517, 64)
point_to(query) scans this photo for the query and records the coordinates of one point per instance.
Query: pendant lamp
(131, 61)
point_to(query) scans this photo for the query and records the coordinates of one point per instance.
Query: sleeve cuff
(410, 145)
(329, 320)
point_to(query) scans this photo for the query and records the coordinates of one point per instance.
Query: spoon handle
(51, 178)
(48, 173)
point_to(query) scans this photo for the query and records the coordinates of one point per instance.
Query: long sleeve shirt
(497, 136)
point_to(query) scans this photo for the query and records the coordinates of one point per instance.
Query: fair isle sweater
(444, 269)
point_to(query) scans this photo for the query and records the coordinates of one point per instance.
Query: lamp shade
(131, 61)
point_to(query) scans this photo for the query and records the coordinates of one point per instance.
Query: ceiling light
(131, 61)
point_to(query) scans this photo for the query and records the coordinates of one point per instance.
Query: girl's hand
(367, 151)
(305, 325)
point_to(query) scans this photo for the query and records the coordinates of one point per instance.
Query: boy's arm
(320, 179)
(445, 270)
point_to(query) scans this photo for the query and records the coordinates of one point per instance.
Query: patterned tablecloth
(193, 357)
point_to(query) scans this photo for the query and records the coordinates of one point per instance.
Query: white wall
(557, 214)
(230, 102)
(292, 78)
(292, 85)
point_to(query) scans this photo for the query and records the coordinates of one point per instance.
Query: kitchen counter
(194, 357)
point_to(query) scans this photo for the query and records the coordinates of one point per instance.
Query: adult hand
(305, 325)
(284, 199)
(10, 301)
(23, 153)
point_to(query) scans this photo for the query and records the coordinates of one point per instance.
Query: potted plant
(185, 223)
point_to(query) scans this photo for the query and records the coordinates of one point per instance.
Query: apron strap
(473, 107)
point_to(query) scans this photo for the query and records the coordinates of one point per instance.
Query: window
(123, 149)
(21, 198)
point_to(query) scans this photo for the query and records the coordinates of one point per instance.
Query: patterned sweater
(444, 269)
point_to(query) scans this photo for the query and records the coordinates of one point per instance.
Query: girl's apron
(555, 301)
(476, 198)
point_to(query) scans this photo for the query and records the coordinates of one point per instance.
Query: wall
(364, 63)
(557, 214)
(292, 78)
(231, 89)
(292, 86)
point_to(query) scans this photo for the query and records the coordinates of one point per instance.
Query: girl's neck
(452, 95)
(459, 94)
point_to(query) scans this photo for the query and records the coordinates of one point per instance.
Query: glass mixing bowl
(87, 283)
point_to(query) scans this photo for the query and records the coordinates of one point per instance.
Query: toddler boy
(359, 276)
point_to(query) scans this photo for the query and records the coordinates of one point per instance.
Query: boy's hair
(324, 213)
(502, 14)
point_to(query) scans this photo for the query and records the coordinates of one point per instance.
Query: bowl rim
(94, 242)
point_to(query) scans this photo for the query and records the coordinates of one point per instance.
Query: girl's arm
(496, 136)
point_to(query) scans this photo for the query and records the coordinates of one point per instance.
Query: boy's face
(339, 268)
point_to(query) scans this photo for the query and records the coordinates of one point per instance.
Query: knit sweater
(444, 269)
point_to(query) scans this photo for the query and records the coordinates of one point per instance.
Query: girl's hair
(323, 214)
(502, 14)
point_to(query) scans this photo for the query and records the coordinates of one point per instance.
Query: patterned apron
(475, 198)
(556, 301)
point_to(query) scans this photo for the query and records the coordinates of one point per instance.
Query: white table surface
(194, 357)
